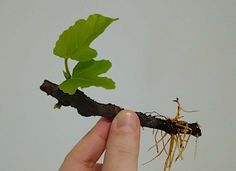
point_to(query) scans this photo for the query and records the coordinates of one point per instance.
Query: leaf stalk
(67, 71)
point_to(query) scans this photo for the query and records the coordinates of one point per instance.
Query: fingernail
(126, 121)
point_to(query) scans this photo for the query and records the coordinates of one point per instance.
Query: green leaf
(86, 74)
(75, 41)
(91, 68)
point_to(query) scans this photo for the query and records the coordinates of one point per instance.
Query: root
(159, 153)
(195, 150)
(177, 142)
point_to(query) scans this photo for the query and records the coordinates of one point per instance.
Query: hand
(120, 139)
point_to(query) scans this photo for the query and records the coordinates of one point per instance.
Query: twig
(88, 107)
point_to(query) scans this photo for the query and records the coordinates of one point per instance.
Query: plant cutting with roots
(74, 44)
(177, 142)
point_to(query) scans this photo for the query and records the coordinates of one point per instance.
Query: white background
(159, 49)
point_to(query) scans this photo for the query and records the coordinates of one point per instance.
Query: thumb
(123, 143)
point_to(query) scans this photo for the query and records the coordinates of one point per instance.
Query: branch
(88, 107)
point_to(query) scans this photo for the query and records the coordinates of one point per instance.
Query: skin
(119, 140)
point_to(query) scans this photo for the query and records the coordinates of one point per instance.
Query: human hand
(120, 139)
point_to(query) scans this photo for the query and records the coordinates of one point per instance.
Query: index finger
(85, 154)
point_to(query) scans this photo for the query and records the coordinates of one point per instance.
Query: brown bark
(88, 107)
